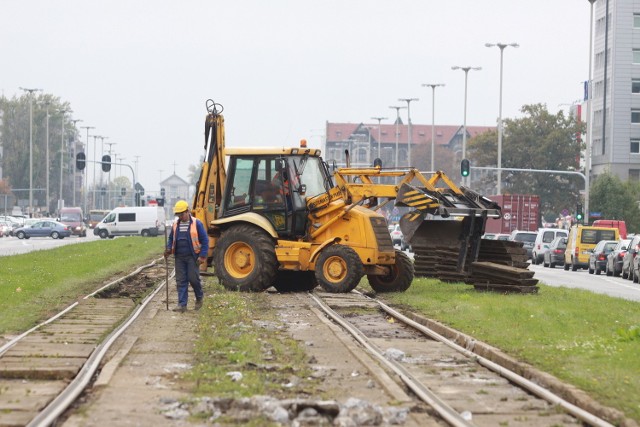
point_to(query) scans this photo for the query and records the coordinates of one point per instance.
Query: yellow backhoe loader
(276, 217)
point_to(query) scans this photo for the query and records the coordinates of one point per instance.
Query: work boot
(180, 308)
(198, 304)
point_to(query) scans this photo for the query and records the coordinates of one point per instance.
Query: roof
(421, 134)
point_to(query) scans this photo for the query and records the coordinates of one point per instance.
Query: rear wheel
(338, 269)
(245, 259)
(552, 264)
(294, 281)
(574, 267)
(55, 235)
(399, 278)
(145, 233)
(566, 266)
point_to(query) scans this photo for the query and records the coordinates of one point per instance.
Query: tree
(539, 140)
(615, 199)
(15, 142)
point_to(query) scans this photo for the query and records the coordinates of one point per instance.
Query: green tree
(15, 142)
(539, 140)
(615, 199)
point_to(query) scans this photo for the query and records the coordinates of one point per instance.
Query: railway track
(45, 369)
(462, 387)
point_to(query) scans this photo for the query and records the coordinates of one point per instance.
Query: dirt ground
(141, 386)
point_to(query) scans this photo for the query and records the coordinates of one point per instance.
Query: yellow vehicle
(580, 244)
(275, 217)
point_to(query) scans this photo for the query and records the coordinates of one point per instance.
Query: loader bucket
(444, 244)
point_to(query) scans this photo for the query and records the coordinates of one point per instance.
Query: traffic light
(80, 161)
(162, 191)
(106, 163)
(464, 167)
(137, 197)
(579, 213)
(123, 191)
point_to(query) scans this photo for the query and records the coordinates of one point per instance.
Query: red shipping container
(519, 212)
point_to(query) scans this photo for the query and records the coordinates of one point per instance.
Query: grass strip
(38, 284)
(241, 332)
(589, 340)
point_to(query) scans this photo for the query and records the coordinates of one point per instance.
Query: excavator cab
(274, 186)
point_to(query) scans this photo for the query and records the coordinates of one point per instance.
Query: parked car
(526, 237)
(541, 245)
(615, 257)
(502, 236)
(598, 257)
(5, 229)
(555, 254)
(630, 254)
(396, 234)
(46, 228)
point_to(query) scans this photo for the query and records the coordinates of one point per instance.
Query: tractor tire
(338, 269)
(398, 280)
(294, 281)
(245, 259)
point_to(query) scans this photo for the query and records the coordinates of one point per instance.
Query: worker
(189, 242)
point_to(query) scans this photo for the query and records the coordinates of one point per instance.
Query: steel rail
(16, 339)
(57, 406)
(528, 385)
(449, 414)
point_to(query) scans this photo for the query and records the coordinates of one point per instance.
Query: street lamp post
(587, 157)
(464, 124)
(73, 175)
(62, 112)
(379, 119)
(433, 87)
(30, 147)
(47, 103)
(408, 101)
(500, 46)
(397, 130)
(86, 174)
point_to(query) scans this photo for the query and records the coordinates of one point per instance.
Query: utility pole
(30, 147)
(408, 101)
(73, 175)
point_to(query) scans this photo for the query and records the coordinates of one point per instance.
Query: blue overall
(186, 265)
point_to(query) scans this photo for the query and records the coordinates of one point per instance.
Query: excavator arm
(210, 185)
(442, 214)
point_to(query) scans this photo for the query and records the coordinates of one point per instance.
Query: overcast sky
(140, 71)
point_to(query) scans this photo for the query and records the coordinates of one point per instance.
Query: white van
(544, 237)
(132, 221)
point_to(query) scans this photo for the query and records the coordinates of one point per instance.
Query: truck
(74, 218)
(281, 217)
(519, 212)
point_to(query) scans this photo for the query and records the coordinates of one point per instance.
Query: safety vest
(193, 232)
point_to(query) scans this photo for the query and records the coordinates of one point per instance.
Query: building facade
(390, 142)
(615, 90)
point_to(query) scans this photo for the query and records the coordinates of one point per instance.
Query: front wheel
(103, 234)
(399, 278)
(339, 269)
(245, 259)
(20, 235)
